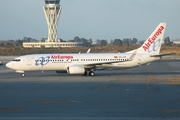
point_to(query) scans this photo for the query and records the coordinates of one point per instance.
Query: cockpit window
(17, 60)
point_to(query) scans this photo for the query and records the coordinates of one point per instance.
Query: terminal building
(52, 10)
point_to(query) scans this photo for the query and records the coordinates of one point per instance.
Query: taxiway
(146, 92)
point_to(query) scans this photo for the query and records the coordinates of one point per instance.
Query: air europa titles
(61, 57)
(153, 38)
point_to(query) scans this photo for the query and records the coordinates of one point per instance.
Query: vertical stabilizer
(153, 44)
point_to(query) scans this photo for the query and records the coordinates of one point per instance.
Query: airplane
(83, 63)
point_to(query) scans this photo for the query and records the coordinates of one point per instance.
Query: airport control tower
(52, 11)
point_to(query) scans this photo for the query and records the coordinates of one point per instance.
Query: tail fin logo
(156, 45)
(153, 38)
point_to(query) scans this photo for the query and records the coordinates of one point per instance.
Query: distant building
(52, 11)
(51, 44)
(177, 42)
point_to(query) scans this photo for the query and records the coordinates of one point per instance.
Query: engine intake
(75, 69)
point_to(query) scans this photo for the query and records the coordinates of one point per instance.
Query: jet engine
(75, 69)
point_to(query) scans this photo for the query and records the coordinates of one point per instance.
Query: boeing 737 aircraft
(81, 63)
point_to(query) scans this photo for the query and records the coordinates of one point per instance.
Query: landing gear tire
(91, 73)
(22, 74)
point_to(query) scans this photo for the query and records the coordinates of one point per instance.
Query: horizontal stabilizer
(160, 55)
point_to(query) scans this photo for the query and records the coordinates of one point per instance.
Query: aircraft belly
(53, 66)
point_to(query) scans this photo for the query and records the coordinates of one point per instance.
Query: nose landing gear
(22, 74)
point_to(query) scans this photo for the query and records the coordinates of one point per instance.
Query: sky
(90, 19)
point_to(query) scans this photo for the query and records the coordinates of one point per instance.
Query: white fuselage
(57, 62)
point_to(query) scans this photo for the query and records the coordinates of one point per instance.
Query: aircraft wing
(101, 63)
(94, 64)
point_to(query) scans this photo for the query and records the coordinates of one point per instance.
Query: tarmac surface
(141, 93)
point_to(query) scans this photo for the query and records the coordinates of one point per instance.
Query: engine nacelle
(75, 69)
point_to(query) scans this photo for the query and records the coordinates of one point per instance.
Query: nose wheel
(22, 74)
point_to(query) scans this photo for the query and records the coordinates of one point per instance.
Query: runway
(146, 92)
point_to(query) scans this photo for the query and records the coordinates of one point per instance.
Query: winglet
(89, 50)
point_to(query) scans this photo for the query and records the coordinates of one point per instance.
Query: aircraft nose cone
(9, 65)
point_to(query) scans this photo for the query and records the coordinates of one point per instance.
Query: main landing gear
(91, 73)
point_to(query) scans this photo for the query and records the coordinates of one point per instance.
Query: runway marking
(59, 102)
(88, 118)
(166, 81)
(128, 81)
(168, 111)
(12, 109)
(175, 78)
(150, 79)
(169, 82)
(121, 81)
(110, 89)
(148, 83)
